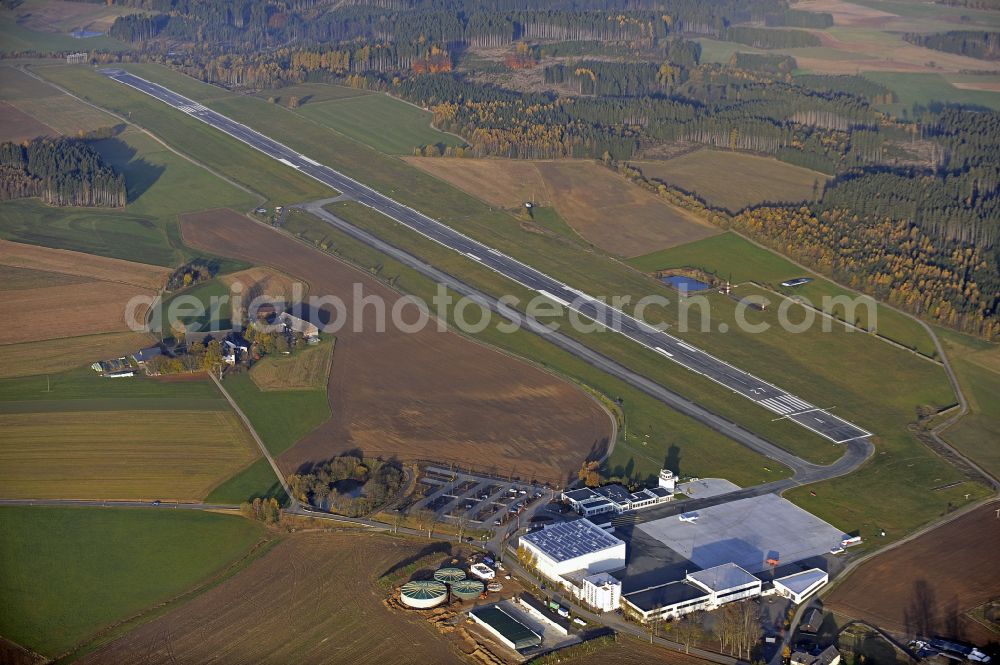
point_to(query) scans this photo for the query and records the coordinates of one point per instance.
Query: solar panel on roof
(569, 540)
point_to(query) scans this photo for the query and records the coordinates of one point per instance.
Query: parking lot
(477, 499)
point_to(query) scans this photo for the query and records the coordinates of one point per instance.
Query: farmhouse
(143, 356)
(568, 547)
(296, 325)
(828, 656)
(801, 585)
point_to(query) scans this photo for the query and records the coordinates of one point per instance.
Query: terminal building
(590, 502)
(706, 589)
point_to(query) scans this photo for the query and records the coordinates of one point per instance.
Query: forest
(975, 44)
(62, 172)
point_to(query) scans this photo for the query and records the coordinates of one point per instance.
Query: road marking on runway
(775, 406)
(287, 163)
(473, 257)
(552, 297)
(663, 351)
(687, 346)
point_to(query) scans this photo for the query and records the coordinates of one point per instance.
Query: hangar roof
(569, 540)
(721, 578)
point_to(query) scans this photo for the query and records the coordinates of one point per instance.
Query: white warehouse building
(704, 590)
(800, 586)
(574, 546)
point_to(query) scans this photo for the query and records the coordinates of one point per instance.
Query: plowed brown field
(926, 586)
(312, 599)
(428, 395)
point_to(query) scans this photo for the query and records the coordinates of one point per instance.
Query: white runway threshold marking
(664, 352)
(287, 163)
(473, 257)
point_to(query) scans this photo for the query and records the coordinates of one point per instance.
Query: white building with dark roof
(801, 585)
(726, 583)
(706, 589)
(588, 501)
(574, 546)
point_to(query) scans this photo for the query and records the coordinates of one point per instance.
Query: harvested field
(928, 585)
(65, 293)
(628, 650)
(129, 454)
(425, 395)
(56, 355)
(308, 369)
(63, 17)
(848, 13)
(81, 264)
(18, 126)
(600, 206)
(734, 180)
(332, 611)
(62, 311)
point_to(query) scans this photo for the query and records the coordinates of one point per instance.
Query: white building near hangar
(589, 502)
(601, 591)
(579, 545)
(801, 585)
(706, 589)
(726, 583)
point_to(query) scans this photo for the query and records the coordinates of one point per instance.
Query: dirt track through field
(425, 395)
(312, 599)
(927, 585)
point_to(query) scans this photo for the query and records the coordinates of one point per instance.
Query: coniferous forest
(63, 172)
(911, 213)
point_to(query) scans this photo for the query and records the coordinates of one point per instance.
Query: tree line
(975, 44)
(60, 171)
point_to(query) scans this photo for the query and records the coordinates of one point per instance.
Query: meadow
(71, 572)
(308, 368)
(16, 38)
(602, 209)
(280, 417)
(58, 355)
(160, 184)
(386, 124)
(733, 180)
(926, 88)
(731, 257)
(77, 435)
(254, 171)
(255, 481)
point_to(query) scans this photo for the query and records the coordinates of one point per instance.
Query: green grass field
(77, 435)
(69, 572)
(280, 417)
(389, 125)
(210, 147)
(728, 256)
(214, 297)
(15, 38)
(161, 185)
(311, 93)
(735, 180)
(257, 480)
(913, 88)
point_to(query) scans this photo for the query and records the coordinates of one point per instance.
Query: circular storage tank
(467, 589)
(423, 594)
(449, 575)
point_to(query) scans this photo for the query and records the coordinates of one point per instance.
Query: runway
(766, 395)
